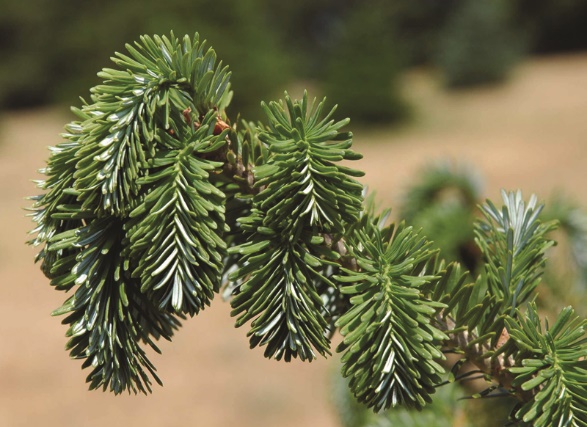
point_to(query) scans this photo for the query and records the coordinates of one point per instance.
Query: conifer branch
(305, 195)
(155, 200)
(132, 163)
(390, 344)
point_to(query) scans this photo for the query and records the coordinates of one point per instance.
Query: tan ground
(530, 133)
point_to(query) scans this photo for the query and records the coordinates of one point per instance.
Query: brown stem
(495, 367)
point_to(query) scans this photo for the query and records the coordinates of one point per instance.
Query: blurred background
(498, 85)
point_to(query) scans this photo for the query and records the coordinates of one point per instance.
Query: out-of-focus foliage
(477, 45)
(363, 67)
(451, 406)
(443, 202)
(544, 26)
(51, 50)
(307, 27)
(553, 25)
(440, 413)
(573, 224)
(418, 24)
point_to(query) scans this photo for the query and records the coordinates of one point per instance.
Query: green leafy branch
(136, 157)
(155, 201)
(178, 260)
(553, 368)
(304, 196)
(390, 345)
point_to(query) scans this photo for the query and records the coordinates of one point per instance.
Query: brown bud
(187, 115)
(220, 126)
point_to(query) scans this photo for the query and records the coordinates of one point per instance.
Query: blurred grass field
(530, 133)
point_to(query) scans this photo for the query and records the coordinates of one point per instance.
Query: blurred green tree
(443, 200)
(418, 24)
(363, 66)
(25, 68)
(552, 25)
(51, 50)
(477, 45)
